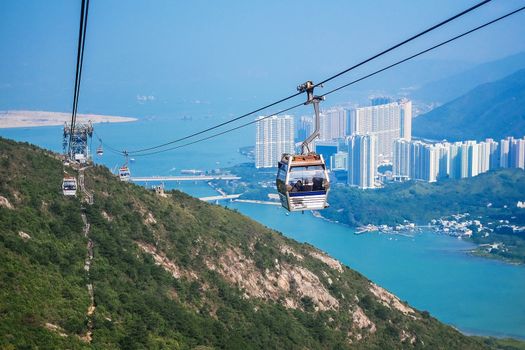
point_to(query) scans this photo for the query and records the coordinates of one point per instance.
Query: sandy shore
(23, 119)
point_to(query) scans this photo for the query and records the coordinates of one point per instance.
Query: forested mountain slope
(175, 273)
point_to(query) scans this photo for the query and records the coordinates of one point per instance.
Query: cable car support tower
(76, 140)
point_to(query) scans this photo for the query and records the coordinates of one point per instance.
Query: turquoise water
(432, 272)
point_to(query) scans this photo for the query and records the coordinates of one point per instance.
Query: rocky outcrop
(361, 320)
(4, 202)
(406, 336)
(288, 250)
(286, 284)
(150, 219)
(390, 300)
(331, 262)
(106, 216)
(24, 235)
(363, 326)
(161, 259)
(56, 329)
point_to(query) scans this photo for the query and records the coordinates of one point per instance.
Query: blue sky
(204, 51)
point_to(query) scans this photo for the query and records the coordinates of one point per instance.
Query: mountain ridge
(492, 110)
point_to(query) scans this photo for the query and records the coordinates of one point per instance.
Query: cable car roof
(303, 159)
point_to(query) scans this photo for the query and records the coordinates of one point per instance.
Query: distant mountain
(493, 110)
(451, 87)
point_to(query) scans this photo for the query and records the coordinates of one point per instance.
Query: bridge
(221, 197)
(184, 178)
(257, 202)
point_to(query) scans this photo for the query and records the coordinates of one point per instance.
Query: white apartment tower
(424, 161)
(401, 161)
(487, 150)
(361, 160)
(473, 158)
(518, 154)
(274, 136)
(387, 122)
(333, 124)
(454, 169)
(493, 151)
(505, 147)
(512, 153)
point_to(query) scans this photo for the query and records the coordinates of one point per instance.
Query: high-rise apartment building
(274, 136)
(472, 158)
(455, 159)
(387, 122)
(505, 147)
(517, 159)
(488, 155)
(333, 124)
(443, 154)
(424, 161)
(494, 154)
(361, 160)
(401, 160)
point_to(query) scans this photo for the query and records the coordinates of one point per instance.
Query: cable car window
(70, 185)
(307, 178)
(281, 174)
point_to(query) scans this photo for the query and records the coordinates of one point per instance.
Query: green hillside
(175, 273)
(495, 110)
(421, 202)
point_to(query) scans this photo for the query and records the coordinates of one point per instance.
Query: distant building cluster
(434, 161)
(355, 142)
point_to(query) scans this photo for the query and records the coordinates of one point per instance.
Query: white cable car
(302, 180)
(69, 186)
(100, 151)
(124, 173)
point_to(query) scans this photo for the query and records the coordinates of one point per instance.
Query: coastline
(480, 254)
(26, 119)
(475, 252)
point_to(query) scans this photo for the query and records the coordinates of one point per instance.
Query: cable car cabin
(69, 186)
(302, 182)
(100, 151)
(124, 174)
